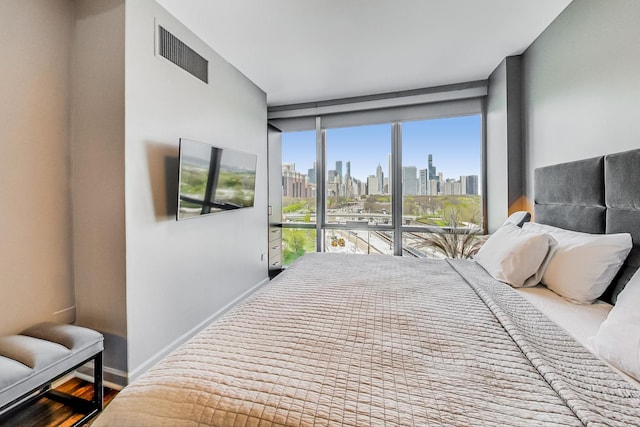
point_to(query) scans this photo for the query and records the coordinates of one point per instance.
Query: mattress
(581, 321)
(374, 340)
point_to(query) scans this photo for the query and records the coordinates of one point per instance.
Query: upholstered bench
(32, 360)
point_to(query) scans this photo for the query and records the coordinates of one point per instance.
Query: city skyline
(427, 181)
(366, 147)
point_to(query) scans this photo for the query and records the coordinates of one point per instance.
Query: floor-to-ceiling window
(383, 181)
(441, 180)
(357, 191)
(299, 192)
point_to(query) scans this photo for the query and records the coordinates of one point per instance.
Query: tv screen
(214, 179)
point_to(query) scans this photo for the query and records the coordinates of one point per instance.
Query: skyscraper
(432, 169)
(434, 175)
(372, 185)
(348, 182)
(380, 178)
(331, 176)
(339, 170)
(451, 187)
(472, 184)
(423, 183)
(409, 181)
(433, 187)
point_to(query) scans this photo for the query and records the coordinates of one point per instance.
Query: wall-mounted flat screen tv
(214, 179)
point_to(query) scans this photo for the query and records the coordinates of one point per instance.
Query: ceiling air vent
(173, 49)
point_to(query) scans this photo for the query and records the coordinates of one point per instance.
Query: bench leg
(90, 408)
(98, 390)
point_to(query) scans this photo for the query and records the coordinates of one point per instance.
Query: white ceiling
(312, 50)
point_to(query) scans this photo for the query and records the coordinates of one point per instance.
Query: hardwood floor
(46, 412)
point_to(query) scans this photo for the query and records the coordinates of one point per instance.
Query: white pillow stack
(516, 256)
(618, 339)
(583, 264)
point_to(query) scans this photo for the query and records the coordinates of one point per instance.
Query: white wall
(36, 280)
(180, 273)
(582, 85)
(145, 280)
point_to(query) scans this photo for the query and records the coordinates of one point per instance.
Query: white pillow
(583, 264)
(516, 256)
(618, 339)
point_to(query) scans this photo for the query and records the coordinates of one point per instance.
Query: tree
(456, 241)
(370, 205)
(293, 247)
(295, 243)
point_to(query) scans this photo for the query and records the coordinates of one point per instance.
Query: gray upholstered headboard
(598, 195)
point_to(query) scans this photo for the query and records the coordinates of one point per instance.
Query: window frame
(394, 116)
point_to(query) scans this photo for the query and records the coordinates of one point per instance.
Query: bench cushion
(35, 353)
(73, 337)
(11, 372)
(42, 353)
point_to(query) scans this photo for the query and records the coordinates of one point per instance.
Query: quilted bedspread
(363, 340)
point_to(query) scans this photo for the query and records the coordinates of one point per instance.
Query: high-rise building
(423, 183)
(331, 176)
(348, 182)
(446, 188)
(434, 174)
(472, 184)
(362, 186)
(289, 167)
(339, 170)
(452, 188)
(463, 185)
(372, 185)
(433, 187)
(432, 169)
(294, 184)
(409, 181)
(380, 178)
(312, 175)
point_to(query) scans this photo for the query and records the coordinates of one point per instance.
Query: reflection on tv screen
(214, 179)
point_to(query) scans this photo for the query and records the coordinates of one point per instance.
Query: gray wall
(582, 85)
(496, 152)
(179, 274)
(505, 190)
(97, 157)
(36, 279)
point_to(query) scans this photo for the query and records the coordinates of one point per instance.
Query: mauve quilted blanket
(363, 340)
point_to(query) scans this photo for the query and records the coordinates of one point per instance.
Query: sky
(455, 144)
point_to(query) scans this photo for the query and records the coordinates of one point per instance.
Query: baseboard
(64, 379)
(112, 378)
(89, 378)
(135, 373)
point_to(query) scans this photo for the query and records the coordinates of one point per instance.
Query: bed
(375, 340)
